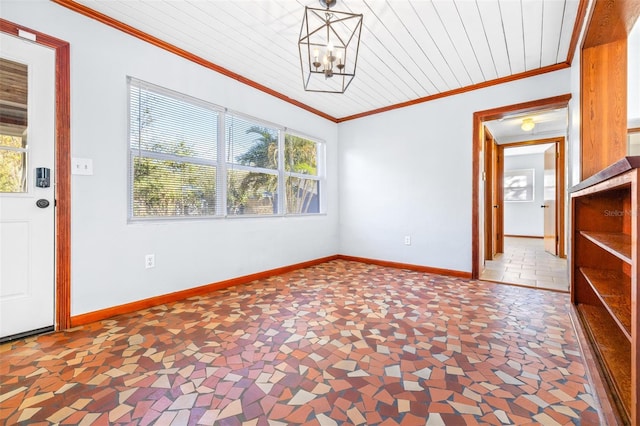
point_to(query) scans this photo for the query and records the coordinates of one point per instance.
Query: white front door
(27, 133)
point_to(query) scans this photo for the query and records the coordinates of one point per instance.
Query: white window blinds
(190, 158)
(173, 147)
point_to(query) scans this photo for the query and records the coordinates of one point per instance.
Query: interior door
(27, 123)
(549, 206)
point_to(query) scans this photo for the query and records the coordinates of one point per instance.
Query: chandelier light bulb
(330, 55)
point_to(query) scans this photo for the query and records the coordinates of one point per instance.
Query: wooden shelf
(614, 351)
(613, 288)
(618, 244)
(605, 280)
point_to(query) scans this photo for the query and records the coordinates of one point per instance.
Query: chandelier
(328, 44)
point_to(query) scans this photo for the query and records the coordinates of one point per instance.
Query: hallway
(525, 262)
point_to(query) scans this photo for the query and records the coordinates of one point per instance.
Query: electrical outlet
(150, 261)
(407, 240)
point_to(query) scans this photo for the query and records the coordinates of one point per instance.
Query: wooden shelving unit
(604, 278)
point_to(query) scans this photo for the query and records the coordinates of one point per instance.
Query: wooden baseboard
(126, 308)
(524, 236)
(411, 267)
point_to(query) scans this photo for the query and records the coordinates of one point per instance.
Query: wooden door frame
(560, 143)
(479, 117)
(63, 168)
(489, 143)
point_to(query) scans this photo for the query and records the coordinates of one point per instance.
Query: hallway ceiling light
(527, 124)
(328, 45)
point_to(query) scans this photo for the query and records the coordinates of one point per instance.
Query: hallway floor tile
(525, 262)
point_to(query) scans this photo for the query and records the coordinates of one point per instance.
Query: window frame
(221, 165)
(133, 153)
(230, 165)
(318, 177)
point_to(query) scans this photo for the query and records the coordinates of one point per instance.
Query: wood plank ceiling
(410, 49)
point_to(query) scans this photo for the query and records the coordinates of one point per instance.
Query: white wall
(107, 252)
(408, 172)
(526, 218)
(403, 172)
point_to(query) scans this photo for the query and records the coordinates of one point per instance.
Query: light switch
(82, 166)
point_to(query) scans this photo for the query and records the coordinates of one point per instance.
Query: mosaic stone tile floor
(339, 343)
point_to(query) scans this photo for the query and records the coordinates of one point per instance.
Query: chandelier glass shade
(328, 45)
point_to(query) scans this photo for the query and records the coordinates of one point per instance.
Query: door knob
(42, 203)
(544, 206)
(495, 207)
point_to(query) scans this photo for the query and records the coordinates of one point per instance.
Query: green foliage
(300, 157)
(254, 186)
(264, 153)
(12, 166)
(168, 188)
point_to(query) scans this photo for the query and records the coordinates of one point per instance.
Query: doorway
(61, 198)
(530, 200)
(27, 101)
(526, 176)
(486, 211)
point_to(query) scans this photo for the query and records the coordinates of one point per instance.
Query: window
(518, 185)
(173, 147)
(189, 158)
(252, 167)
(302, 186)
(13, 161)
(13, 127)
